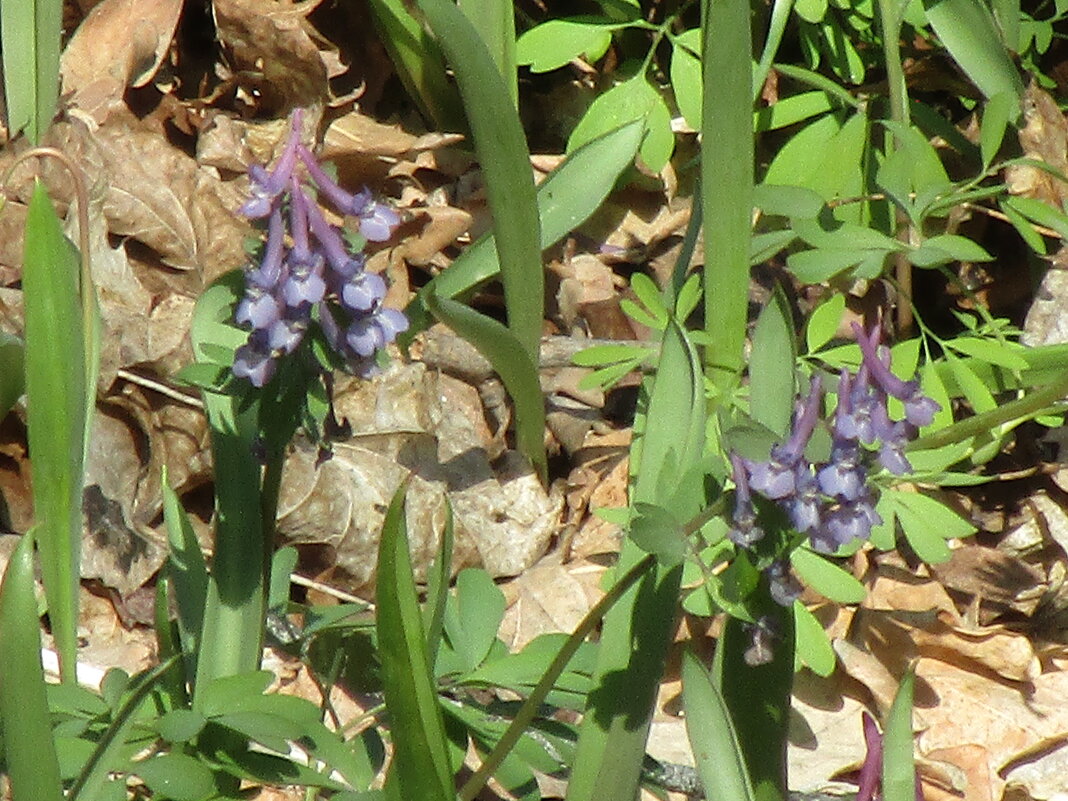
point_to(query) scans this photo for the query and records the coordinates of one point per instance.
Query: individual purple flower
(783, 587)
(804, 508)
(919, 409)
(266, 187)
(844, 523)
(255, 362)
(377, 220)
(744, 532)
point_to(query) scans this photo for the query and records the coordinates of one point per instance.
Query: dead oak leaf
(121, 43)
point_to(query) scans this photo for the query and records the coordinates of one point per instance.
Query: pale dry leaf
(825, 734)
(1005, 720)
(549, 597)
(412, 423)
(441, 226)
(1044, 137)
(120, 43)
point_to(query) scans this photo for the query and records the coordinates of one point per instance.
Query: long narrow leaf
(187, 573)
(505, 160)
(566, 199)
(726, 180)
(55, 409)
(719, 758)
(495, 22)
(437, 591)
(30, 33)
(899, 769)
(968, 30)
(231, 640)
(420, 749)
(638, 629)
(29, 751)
(512, 363)
(419, 64)
(758, 696)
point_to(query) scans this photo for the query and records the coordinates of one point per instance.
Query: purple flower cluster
(832, 501)
(316, 276)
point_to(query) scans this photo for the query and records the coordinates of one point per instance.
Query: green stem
(984, 423)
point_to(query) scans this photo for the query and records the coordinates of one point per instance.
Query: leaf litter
(164, 145)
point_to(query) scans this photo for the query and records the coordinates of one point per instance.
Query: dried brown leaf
(121, 43)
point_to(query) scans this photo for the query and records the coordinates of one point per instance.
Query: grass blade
(968, 31)
(726, 161)
(720, 762)
(566, 199)
(758, 697)
(55, 410)
(899, 770)
(437, 591)
(187, 574)
(512, 363)
(30, 43)
(495, 22)
(505, 160)
(637, 630)
(29, 751)
(12, 372)
(420, 759)
(419, 64)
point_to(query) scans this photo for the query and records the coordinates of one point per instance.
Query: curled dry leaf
(156, 194)
(121, 43)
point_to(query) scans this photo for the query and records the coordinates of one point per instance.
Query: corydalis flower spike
(919, 409)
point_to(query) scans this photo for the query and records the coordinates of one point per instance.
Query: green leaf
(29, 752)
(971, 385)
(634, 99)
(494, 21)
(927, 524)
(566, 199)
(792, 110)
(817, 266)
(946, 248)
(421, 766)
(686, 75)
(505, 160)
(813, 646)
(513, 364)
(999, 109)
(637, 630)
(56, 412)
(1026, 230)
(1007, 354)
(656, 531)
(823, 323)
(1040, 212)
(437, 590)
(180, 725)
(419, 64)
(787, 201)
(12, 372)
(727, 150)
(554, 43)
(475, 616)
(176, 776)
(232, 692)
(899, 768)
(30, 31)
(717, 753)
(187, 571)
(772, 388)
(598, 355)
(758, 695)
(827, 578)
(967, 29)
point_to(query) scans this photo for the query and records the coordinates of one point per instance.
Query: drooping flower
(318, 276)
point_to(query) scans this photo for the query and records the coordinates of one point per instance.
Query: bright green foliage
(56, 412)
(29, 752)
(31, 39)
